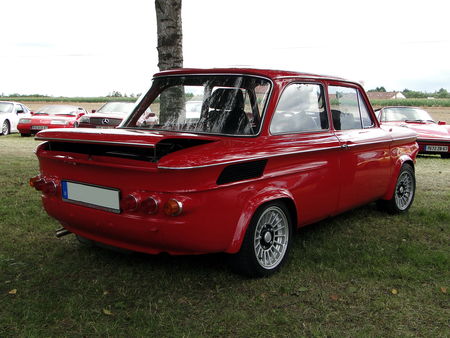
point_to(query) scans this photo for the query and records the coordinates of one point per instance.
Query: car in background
(224, 182)
(110, 115)
(10, 113)
(49, 117)
(433, 136)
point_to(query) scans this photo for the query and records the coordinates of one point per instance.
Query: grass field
(364, 273)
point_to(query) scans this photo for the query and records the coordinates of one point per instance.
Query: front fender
(264, 195)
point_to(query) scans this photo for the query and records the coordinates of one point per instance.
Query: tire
(404, 193)
(5, 128)
(267, 242)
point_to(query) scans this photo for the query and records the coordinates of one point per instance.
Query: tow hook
(62, 232)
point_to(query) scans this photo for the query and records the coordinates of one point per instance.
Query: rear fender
(395, 172)
(264, 196)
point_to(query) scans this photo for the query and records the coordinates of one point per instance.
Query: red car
(51, 116)
(271, 151)
(433, 137)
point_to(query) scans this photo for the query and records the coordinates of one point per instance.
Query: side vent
(242, 171)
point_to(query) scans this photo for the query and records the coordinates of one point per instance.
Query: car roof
(268, 73)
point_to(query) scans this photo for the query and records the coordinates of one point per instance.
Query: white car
(10, 113)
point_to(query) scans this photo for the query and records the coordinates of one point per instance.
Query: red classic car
(433, 137)
(271, 151)
(51, 116)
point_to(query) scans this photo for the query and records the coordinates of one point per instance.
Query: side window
(344, 107)
(367, 120)
(301, 108)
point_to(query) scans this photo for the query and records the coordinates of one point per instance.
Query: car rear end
(113, 192)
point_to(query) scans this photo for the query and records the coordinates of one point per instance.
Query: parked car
(271, 152)
(110, 115)
(10, 113)
(433, 136)
(51, 116)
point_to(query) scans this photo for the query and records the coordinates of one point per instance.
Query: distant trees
(413, 94)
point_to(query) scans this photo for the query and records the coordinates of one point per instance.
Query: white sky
(93, 47)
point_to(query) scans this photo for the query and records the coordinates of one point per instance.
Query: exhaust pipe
(62, 232)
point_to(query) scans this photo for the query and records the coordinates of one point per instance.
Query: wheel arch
(252, 206)
(402, 160)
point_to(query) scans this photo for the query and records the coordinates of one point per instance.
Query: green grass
(339, 280)
(412, 102)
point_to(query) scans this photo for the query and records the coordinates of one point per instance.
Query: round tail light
(49, 187)
(149, 205)
(37, 182)
(173, 207)
(129, 203)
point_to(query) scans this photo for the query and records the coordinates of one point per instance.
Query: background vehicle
(51, 116)
(10, 113)
(270, 151)
(110, 115)
(433, 137)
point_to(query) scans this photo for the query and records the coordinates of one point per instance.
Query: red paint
(319, 174)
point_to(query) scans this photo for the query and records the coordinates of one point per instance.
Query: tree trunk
(170, 55)
(170, 36)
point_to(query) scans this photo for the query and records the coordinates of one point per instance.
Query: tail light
(173, 207)
(129, 203)
(149, 205)
(49, 187)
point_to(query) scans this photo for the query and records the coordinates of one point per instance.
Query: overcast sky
(93, 47)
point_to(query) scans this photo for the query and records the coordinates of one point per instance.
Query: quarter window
(301, 108)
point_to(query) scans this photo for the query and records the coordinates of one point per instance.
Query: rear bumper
(196, 231)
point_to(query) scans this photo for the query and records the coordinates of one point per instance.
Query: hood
(111, 115)
(429, 131)
(47, 118)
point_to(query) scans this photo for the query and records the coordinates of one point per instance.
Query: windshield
(6, 107)
(59, 110)
(405, 114)
(213, 104)
(116, 107)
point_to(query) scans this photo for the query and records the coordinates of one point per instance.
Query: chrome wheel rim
(271, 237)
(404, 190)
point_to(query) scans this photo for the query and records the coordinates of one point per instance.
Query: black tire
(405, 189)
(6, 128)
(265, 248)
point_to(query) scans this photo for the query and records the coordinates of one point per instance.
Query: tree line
(414, 94)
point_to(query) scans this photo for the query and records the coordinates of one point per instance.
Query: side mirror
(79, 115)
(19, 112)
(93, 111)
(31, 112)
(442, 123)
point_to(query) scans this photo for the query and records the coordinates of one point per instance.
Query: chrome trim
(249, 159)
(93, 141)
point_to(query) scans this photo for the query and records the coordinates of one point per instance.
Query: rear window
(211, 104)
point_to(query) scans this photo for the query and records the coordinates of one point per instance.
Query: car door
(17, 113)
(300, 127)
(364, 156)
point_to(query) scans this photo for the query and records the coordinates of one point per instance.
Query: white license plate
(442, 149)
(39, 127)
(92, 196)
